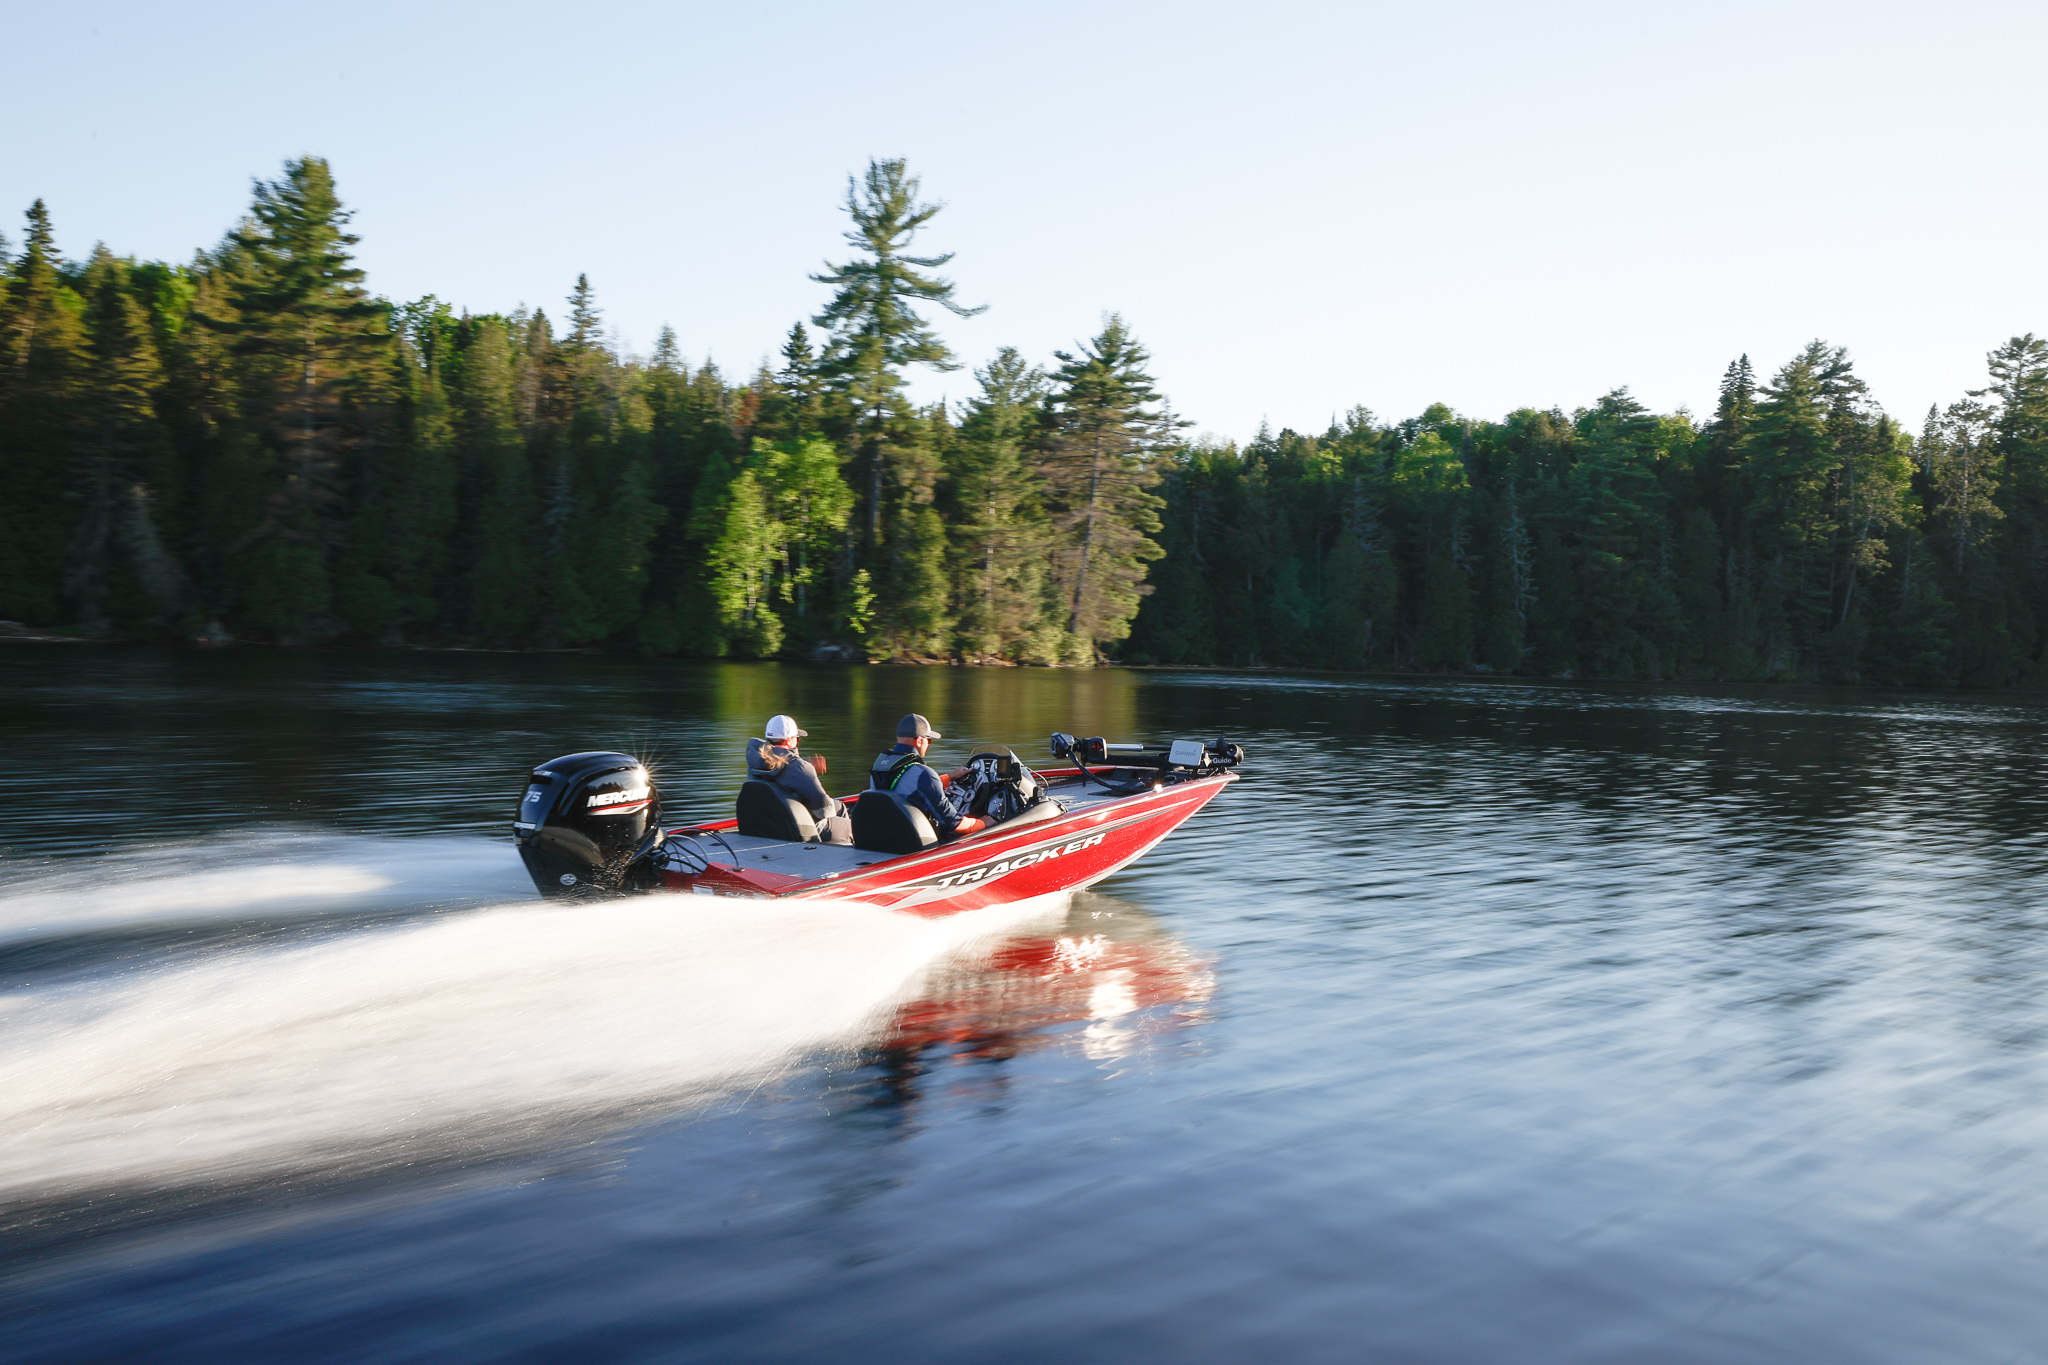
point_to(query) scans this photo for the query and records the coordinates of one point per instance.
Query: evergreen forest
(251, 446)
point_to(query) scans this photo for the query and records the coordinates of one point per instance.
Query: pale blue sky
(1298, 206)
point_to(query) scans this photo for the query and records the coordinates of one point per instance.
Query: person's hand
(970, 825)
(818, 762)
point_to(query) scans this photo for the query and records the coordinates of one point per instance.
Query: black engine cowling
(584, 821)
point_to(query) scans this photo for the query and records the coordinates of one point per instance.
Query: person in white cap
(776, 759)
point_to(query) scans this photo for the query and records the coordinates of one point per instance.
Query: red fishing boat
(590, 824)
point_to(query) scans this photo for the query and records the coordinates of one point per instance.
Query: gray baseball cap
(914, 726)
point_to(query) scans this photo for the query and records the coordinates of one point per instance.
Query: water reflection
(1108, 981)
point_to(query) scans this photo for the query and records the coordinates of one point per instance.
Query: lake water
(1483, 1021)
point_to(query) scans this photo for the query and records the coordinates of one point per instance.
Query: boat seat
(766, 811)
(884, 822)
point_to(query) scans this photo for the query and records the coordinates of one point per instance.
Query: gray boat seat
(884, 822)
(766, 811)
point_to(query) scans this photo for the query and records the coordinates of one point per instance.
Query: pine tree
(306, 336)
(1097, 460)
(1362, 593)
(875, 328)
(1872, 487)
(1430, 484)
(2019, 424)
(1616, 510)
(1734, 415)
(587, 390)
(497, 578)
(1966, 516)
(119, 445)
(1514, 577)
(1787, 454)
(43, 367)
(2019, 436)
(1443, 630)
(998, 526)
(792, 396)
(912, 614)
(1958, 447)
(1790, 461)
(404, 531)
(586, 319)
(673, 455)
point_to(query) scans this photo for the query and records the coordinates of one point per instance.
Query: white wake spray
(410, 1041)
(253, 876)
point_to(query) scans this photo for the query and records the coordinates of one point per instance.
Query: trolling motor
(1180, 761)
(586, 823)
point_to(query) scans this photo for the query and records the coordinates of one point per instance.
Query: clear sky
(1299, 207)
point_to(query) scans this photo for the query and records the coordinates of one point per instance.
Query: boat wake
(254, 877)
(476, 1031)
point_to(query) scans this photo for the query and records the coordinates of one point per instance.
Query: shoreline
(14, 633)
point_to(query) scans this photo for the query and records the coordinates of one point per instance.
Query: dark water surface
(1481, 1022)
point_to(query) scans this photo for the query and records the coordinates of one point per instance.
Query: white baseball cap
(782, 727)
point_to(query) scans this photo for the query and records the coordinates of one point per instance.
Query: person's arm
(943, 817)
(931, 798)
(928, 794)
(801, 781)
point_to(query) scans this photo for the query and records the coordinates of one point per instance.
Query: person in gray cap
(775, 759)
(903, 769)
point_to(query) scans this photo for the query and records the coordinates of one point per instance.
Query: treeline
(252, 446)
(1799, 534)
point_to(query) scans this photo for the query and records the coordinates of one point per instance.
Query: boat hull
(1002, 865)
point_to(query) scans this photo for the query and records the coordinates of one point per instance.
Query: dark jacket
(918, 783)
(773, 763)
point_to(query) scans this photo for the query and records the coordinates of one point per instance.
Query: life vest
(889, 769)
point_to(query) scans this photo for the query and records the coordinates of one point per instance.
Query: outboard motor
(585, 821)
